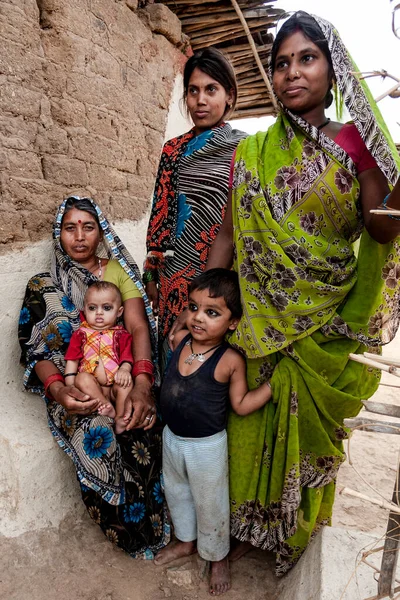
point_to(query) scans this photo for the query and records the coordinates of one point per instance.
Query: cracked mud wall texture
(84, 93)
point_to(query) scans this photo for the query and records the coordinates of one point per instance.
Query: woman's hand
(72, 399)
(152, 293)
(140, 409)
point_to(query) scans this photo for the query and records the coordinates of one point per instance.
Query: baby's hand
(123, 377)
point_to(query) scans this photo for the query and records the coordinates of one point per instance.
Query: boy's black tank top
(195, 405)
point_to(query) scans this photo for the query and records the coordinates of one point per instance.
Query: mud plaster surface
(76, 562)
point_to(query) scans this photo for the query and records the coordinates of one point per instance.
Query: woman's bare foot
(240, 550)
(106, 410)
(220, 580)
(173, 551)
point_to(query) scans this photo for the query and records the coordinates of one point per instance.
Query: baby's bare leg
(87, 383)
(120, 394)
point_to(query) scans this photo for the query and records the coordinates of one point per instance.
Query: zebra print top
(188, 208)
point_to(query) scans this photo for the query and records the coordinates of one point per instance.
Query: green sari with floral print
(310, 297)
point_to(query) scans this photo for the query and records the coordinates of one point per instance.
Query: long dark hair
(214, 64)
(302, 21)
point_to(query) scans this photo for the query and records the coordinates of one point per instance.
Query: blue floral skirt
(119, 479)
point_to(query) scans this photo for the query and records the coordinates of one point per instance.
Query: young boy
(203, 375)
(99, 357)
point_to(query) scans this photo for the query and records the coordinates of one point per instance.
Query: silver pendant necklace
(197, 355)
(99, 267)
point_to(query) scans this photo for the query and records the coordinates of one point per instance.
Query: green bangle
(148, 276)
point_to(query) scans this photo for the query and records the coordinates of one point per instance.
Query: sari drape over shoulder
(190, 197)
(315, 287)
(119, 476)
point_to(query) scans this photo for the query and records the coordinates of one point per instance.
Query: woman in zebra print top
(191, 188)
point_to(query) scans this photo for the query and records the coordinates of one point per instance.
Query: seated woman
(301, 196)
(119, 477)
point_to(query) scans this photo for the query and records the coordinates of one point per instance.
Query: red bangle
(51, 379)
(144, 366)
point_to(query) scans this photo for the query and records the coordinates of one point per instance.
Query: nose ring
(297, 74)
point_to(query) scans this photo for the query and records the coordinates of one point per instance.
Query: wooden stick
(373, 426)
(382, 359)
(382, 503)
(256, 55)
(375, 364)
(387, 579)
(380, 408)
(389, 385)
(383, 211)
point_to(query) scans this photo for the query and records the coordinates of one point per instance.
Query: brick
(17, 132)
(54, 79)
(24, 164)
(66, 111)
(162, 20)
(14, 26)
(65, 171)
(19, 100)
(101, 62)
(132, 4)
(94, 91)
(19, 66)
(60, 15)
(68, 50)
(107, 178)
(102, 123)
(53, 140)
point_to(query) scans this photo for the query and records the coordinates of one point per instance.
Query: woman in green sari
(301, 196)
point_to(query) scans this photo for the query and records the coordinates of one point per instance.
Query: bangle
(386, 207)
(51, 379)
(70, 374)
(144, 366)
(148, 276)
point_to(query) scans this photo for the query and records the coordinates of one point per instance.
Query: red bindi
(79, 221)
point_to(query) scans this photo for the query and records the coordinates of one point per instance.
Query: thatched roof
(216, 23)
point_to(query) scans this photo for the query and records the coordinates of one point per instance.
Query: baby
(203, 375)
(99, 357)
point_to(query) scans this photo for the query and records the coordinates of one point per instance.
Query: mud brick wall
(84, 94)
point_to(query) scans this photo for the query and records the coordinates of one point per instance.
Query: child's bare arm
(71, 370)
(243, 401)
(123, 376)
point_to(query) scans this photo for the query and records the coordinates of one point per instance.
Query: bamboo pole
(382, 503)
(375, 364)
(256, 55)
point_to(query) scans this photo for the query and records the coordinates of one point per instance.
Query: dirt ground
(76, 562)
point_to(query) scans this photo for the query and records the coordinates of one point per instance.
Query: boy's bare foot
(106, 410)
(173, 551)
(220, 580)
(240, 550)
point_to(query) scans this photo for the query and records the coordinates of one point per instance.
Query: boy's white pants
(197, 491)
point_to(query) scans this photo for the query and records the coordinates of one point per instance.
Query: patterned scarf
(218, 148)
(297, 213)
(63, 293)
